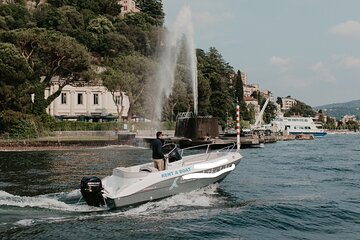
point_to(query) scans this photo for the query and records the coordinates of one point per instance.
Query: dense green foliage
(300, 109)
(20, 126)
(213, 68)
(239, 96)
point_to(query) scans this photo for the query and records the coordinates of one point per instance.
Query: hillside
(338, 110)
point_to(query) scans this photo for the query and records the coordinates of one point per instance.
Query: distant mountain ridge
(338, 110)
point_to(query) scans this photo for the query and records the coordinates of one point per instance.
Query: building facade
(348, 118)
(287, 103)
(249, 89)
(128, 6)
(244, 78)
(88, 102)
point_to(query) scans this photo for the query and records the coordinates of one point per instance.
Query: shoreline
(55, 144)
(88, 142)
(40, 148)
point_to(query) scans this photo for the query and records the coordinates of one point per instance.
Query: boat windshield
(172, 151)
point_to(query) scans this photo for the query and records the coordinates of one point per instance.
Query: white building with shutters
(87, 102)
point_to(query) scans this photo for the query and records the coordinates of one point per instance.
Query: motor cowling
(91, 190)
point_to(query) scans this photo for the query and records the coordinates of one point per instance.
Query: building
(128, 6)
(249, 89)
(287, 103)
(266, 94)
(348, 118)
(87, 102)
(244, 78)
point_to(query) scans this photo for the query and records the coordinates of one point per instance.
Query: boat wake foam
(204, 198)
(57, 201)
(191, 205)
(50, 201)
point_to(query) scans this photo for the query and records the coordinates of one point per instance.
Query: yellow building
(128, 6)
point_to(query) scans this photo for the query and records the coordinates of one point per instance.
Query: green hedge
(16, 125)
(108, 126)
(20, 126)
(87, 126)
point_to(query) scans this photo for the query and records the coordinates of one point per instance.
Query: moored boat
(297, 125)
(186, 170)
(304, 137)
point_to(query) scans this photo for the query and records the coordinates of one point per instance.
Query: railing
(186, 115)
(203, 149)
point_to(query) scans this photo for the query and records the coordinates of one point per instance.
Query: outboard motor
(91, 190)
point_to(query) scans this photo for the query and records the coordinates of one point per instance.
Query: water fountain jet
(188, 125)
(182, 30)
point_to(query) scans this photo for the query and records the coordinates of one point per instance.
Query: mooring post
(238, 126)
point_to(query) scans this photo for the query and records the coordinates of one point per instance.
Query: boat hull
(315, 134)
(172, 186)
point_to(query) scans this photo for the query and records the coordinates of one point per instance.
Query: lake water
(286, 190)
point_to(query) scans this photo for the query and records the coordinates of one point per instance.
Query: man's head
(159, 135)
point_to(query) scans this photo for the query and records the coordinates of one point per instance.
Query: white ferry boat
(297, 125)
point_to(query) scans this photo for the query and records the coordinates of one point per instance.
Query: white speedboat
(297, 125)
(186, 170)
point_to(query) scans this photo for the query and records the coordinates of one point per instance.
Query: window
(63, 98)
(80, 98)
(96, 99)
(117, 100)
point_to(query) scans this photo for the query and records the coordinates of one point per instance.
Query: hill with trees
(339, 110)
(73, 39)
(91, 42)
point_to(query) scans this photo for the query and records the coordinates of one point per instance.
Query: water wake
(46, 201)
(186, 205)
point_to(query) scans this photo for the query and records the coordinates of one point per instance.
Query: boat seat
(148, 169)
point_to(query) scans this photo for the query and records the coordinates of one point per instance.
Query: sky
(306, 49)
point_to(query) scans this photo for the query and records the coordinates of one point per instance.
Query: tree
(301, 109)
(178, 101)
(72, 22)
(239, 96)
(270, 112)
(98, 7)
(14, 72)
(14, 15)
(48, 17)
(218, 74)
(142, 68)
(114, 44)
(154, 9)
(100, 25)
(101, 37)
(116, 81)
(204, 93)
(239, 87)
(279, 101)
(49, 54)
(330, 123)
(138, 37)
